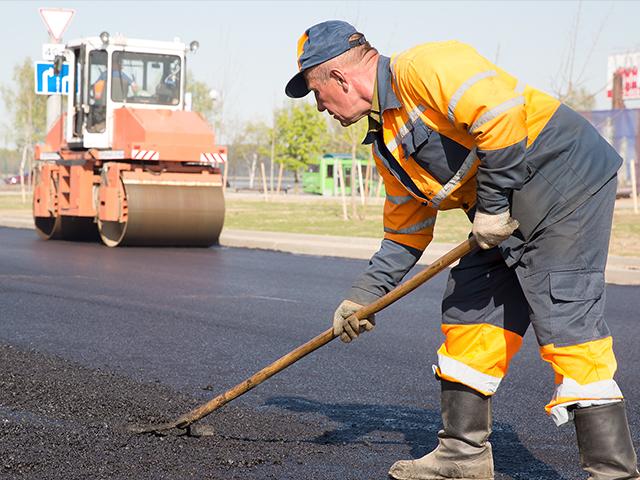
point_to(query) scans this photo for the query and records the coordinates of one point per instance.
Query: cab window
(97, 91)
(145, 78)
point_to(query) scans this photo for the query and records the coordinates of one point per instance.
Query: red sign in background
(627, 65)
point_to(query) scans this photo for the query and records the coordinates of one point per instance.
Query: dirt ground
(61, 420)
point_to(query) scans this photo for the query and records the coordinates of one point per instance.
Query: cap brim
(297, 86)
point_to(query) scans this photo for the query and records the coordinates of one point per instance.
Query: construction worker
(120, 82)
(449, 129)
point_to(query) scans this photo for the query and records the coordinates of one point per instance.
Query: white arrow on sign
(57, 20)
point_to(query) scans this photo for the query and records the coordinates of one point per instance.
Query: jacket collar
(388, 99)
(386, 96)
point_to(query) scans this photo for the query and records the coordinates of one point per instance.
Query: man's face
(338, 97)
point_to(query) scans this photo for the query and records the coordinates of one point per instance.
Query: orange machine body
(90, 169)
(176, 135)
(175, 142)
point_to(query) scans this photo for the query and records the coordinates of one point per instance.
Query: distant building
(323, 177)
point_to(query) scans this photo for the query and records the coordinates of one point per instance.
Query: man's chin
(350, 121)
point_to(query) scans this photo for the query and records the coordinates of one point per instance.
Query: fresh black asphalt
(93, 338)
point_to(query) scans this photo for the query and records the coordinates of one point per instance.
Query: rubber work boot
(604, 441)
(463, 451)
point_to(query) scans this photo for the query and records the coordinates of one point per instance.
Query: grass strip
(319, 216)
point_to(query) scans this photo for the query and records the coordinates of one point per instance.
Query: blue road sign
(49, 84)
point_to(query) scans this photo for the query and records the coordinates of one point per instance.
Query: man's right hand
(346, 325)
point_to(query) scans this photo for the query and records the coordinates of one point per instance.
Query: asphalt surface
(93, 339)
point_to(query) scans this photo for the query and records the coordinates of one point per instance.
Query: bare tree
(567, 85)
(250, 143)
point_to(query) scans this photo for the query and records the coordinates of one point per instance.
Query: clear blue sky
(247, 49)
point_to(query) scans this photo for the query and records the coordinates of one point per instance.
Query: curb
(16, 220)
(619, 271)
(320, 245)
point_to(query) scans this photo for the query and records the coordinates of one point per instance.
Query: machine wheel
(54, 226)
(78, 229)
(48, 228)
(45, 201)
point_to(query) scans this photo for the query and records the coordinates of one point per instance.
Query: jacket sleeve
(386, 269)
(480, 99)
(408, 227)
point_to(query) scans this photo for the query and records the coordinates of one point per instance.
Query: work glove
(492, 229)
(349, 328)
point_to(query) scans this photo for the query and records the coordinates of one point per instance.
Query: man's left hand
(491, 229)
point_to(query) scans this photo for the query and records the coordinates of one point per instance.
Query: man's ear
(339, 77)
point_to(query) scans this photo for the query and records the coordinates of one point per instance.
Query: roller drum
(168, 214)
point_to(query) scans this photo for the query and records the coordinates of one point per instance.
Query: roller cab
(126, 161)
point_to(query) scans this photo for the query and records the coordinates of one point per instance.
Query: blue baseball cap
(318, 44)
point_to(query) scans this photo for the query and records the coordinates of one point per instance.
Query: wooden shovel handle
(283, 362)
(414, 282)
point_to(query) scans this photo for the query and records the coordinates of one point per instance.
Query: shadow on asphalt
(357, 423)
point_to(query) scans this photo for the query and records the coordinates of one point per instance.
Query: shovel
(185, 420)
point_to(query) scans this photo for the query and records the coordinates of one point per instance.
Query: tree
(250, 143)
(567, 86)
(301, 136)
(28, 111)
(349, 140)
(203, 100)
(579, 99)
(9, 161)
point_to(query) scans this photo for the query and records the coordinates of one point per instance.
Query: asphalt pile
(62, 420)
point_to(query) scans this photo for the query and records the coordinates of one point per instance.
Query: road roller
(125, 160)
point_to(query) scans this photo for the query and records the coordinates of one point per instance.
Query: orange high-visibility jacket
(486, 126)
(459, 132)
